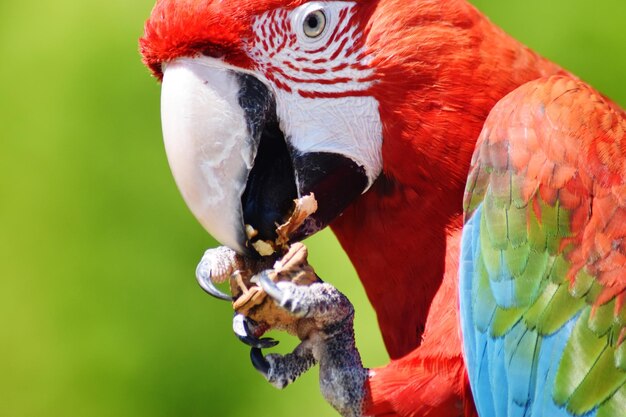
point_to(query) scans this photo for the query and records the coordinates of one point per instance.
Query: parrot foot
(326, 319)
(320, 301)
(217, 265)
(246, 330)
(282, 370)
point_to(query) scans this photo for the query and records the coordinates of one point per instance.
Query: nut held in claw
(250, 299)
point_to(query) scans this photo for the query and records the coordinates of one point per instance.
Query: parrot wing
(543, 257)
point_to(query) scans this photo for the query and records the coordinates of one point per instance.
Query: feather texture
(543, 273)
(542, 259)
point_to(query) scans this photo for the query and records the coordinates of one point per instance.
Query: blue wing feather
(542, 271)
(511, 375)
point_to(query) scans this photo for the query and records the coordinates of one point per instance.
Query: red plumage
(440, 67)
(432, 115)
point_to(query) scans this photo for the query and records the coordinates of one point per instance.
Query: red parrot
(393, 113)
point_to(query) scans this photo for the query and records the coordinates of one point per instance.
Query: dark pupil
(312, 21)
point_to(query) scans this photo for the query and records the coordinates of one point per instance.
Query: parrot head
(264, 102)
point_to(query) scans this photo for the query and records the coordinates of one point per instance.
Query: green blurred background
(100, 314)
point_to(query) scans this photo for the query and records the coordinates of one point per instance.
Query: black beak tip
(335, 180)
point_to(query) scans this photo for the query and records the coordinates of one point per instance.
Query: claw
(243, 332)
(204, 279)
(258, 361)
(264, 343)
(270, 286)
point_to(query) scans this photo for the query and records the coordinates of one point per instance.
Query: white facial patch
(348, 126)
(320, 82)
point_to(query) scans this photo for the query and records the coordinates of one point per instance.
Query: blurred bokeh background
(100, 314)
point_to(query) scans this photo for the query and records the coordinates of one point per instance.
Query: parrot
(478, 188)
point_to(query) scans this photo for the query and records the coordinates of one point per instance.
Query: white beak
(208, 144)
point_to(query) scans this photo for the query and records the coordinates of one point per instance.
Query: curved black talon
(204, 279)
(258, 361)
(266, 342)
(270, 286)
(243, 332)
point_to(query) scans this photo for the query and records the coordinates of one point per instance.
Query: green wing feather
(542, 262)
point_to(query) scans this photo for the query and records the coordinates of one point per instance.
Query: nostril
(212, 52)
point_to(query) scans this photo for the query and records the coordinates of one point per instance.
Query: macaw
(478, 189)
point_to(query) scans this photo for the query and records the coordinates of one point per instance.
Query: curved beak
(232, 162)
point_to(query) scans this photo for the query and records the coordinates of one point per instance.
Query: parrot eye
(314, 24)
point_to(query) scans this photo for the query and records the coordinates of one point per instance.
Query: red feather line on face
(331, 67)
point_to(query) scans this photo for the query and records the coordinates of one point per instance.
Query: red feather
(443, 67)
(440, 67)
